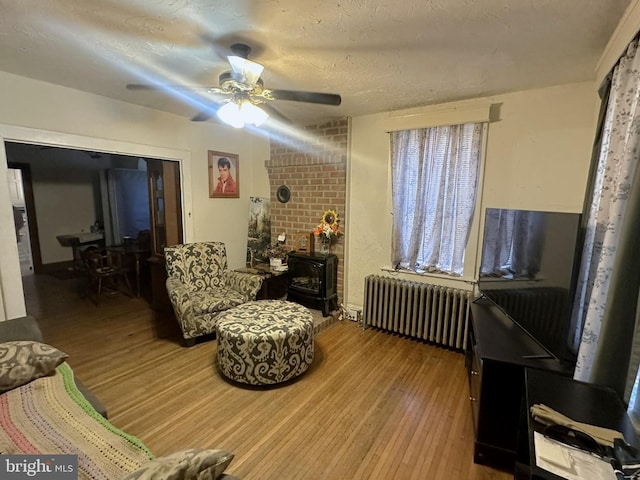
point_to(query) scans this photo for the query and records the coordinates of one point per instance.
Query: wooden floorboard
(372, 405)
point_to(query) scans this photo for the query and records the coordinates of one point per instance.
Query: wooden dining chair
(106, 273)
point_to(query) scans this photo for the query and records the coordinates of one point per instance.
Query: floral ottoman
(265, 342)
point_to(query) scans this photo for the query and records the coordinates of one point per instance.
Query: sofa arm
(179, 294)
(247, 284)
(22, 328)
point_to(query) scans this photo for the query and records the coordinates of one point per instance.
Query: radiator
(419, 310)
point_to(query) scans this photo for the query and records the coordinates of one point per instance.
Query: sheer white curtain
(608, 287)
(434, 182)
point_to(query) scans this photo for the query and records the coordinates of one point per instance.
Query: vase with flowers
(327, 230)
(277, 255)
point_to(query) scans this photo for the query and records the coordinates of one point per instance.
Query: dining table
(78, 241)
(138, 253)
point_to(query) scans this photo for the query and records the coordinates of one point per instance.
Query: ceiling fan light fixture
(238, 115)
(230, 114)
(253, 114)
(245, 71)
(245, 100)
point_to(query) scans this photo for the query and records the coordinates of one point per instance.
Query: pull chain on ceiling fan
(247, 98)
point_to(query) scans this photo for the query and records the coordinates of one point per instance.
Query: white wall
(38, 112)
(538, 155)
(76, 189)
(227, 219)
(539, 151)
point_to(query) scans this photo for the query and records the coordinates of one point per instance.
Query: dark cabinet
(498, 351)
(313, 281)
(166, 223)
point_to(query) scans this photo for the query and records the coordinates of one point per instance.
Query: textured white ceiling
(380, 55)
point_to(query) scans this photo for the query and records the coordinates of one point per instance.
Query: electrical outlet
(352, 314)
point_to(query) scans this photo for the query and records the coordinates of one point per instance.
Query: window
(434, 183)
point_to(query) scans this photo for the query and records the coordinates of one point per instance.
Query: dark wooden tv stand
(498, 351)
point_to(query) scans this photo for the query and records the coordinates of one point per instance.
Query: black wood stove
(313, 281)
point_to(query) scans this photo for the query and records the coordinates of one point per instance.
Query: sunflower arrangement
(329, 226)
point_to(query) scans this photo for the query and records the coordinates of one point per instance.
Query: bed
(49, 415)
(43, 412)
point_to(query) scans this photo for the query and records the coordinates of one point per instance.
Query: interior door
(165, 204)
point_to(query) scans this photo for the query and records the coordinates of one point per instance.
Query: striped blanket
(50, 416)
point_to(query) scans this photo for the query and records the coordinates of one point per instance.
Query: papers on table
(569, 462)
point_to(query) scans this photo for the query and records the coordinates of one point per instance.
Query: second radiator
(420, 310)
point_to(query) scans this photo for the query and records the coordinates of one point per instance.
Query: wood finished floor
(372, 406)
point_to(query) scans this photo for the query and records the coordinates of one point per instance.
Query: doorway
(63, 191)
(79, 194)
(12, 300)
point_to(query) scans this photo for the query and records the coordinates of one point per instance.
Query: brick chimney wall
(313, 166)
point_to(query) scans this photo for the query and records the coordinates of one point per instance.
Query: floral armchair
(201, 286)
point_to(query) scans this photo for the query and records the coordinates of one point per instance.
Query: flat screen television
(529, 266)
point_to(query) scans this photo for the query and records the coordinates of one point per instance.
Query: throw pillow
(22, 361)
(191, 464)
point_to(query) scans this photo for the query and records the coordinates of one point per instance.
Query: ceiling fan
(245, 99)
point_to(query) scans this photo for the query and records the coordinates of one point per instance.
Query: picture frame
(303, 242)
(224, 174)
(259, 232)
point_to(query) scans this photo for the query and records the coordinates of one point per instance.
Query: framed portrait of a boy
(224, 175)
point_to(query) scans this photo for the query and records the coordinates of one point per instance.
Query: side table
(582, 402)
(274, 282)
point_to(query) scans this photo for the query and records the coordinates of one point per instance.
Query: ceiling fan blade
(309, 97)
(142, 86)
(201, 117)
(139, 86)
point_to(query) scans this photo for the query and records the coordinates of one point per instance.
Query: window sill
(435, 276)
